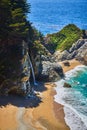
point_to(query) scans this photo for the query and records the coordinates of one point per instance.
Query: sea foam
(73, 101)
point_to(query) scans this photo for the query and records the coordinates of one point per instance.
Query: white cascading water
(31, 66)
(33, 74)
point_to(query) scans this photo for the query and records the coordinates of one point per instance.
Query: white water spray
(33, 74)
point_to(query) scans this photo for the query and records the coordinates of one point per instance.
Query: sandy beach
(40, 113)
(73, 63)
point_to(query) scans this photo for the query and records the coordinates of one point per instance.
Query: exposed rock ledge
(78, 51)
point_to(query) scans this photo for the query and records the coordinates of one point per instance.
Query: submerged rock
(67, 85)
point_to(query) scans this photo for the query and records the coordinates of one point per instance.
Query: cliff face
(78, 51)
(18, 66)
(82, 54)
(14, 69)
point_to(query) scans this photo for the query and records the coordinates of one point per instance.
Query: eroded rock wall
(14, 69)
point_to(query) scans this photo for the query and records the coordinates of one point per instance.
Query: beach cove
(47, 115)
(43, 65)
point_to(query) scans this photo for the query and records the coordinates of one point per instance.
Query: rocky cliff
(82, 54)
(14, 69)
(19, 66)
(78, 51)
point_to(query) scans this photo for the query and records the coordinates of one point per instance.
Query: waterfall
(25, 52)
(33, 74)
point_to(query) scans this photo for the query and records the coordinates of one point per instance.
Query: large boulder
(50, 71)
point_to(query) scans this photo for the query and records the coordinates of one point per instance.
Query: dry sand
(47, 115)
(73, 64)
(43, 116)
(8, 118)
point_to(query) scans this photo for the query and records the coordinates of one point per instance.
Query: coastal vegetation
(13, 20)
(63, 39)
(14, 25)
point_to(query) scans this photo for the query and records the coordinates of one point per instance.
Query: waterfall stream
(33, 74)
(25, 51)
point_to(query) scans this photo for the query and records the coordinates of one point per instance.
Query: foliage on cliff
(64, 39)
(14, 30)
(14, 24)
(13, 19)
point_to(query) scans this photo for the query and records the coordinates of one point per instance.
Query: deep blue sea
(75, 98)
(50, 16)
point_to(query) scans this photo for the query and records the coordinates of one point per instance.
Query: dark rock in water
(67, 85)
(66, 63)
(50, 72)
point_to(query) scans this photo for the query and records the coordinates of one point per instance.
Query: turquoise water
(50, 16)
(78, 92)
(74, 98)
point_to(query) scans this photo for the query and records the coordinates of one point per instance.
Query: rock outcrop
(61, 56)
(82, 54)
(78, 51)
(50, 72)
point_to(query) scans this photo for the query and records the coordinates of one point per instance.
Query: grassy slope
(65, 38)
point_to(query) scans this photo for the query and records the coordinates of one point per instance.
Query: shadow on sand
(20, 101)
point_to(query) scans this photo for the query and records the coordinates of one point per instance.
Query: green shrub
(64, 39)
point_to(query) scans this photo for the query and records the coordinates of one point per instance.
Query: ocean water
(74, 99)
(50, 16)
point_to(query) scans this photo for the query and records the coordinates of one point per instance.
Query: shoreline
(73, 118)
(48, 115)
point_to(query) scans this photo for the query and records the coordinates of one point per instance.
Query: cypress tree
(13, 19)
(19, 24)
(5, 16)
